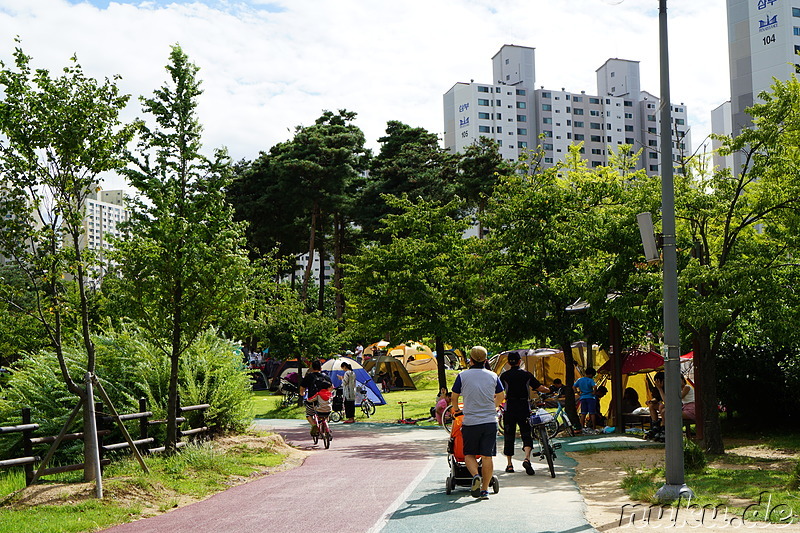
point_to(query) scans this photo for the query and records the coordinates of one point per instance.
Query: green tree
(184, 266)
(416, 286)
(738, 237)
(481, 167)
(410, 162)
(58, 134)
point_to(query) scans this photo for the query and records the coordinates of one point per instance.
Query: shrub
(694, 459)
(130, 367)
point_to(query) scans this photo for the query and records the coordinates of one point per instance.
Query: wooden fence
(105, 424)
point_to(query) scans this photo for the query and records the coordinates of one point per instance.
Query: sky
(269, 66)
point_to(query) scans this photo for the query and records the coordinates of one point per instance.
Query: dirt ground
(608, 508)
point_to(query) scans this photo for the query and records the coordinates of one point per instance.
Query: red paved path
(352, 485)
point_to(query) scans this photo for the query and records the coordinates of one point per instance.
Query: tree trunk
(440, 363)
(172, 395)
(706, 375)
(338, 244)
(321, 295)
(569, 381)
(311, 244)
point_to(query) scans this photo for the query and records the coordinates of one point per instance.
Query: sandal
(510, 469)
(528, 468)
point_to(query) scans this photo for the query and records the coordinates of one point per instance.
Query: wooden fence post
(100, 423)
(26, 444)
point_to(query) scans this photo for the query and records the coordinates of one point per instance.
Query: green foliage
(794, 478)
(694, 459)
(130, 367)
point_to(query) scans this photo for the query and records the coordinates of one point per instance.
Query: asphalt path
(379, 478)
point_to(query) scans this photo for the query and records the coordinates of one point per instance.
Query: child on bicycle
(323, 402)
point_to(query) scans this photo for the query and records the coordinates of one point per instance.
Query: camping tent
(637, 366)
(333, 368)
(393, 368)
(415, 356)
(548, 364)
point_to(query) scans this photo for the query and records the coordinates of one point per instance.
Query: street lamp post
(675, 486)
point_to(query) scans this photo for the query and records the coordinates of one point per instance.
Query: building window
(594, 100)
(499, 116)
(548, 160)
(627, 103)
(547, 120)
(547, 146)
(628, 127)
(483, 89)
(594, 113)
(595, 126)
(506, 61)
(651, 118)
(483, 116)
(628, 115)
(579, 136)
(499, 129)
(546, 94)
(612, 74)
(522, 118)
(547, 133)
(577, 111)
(521, 92)
(483, 101)
(579, 124)
(653, 168)
(652, 142)
(652, 155)
(629, 140)
(522, 131)
(521, 105)
(498, 103)
(596, 164)
(680, 121)
(522, 144)
(597, 151)
(651, 130)
(577, 98)
(547, 107)
(484, 129)
(596, 139)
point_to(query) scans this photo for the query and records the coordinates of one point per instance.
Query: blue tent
(334, 370)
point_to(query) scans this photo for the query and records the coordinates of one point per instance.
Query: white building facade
(515, 114)
(104, 211)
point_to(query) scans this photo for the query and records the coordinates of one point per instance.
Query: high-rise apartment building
(104, 212)
(515, 114)
(763, 42)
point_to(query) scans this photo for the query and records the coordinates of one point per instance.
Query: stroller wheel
(495, 484)
(449, 483)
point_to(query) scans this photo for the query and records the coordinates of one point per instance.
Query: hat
(478, 354)
(513, 358)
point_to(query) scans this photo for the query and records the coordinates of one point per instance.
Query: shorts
(310, 408)
(588, 406)
(480, 439)
(688, 411)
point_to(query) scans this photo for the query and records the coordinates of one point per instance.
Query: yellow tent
(547, 364)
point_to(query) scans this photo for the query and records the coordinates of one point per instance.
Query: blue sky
(268, 66)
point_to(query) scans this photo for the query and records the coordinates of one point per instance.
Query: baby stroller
(459, 475)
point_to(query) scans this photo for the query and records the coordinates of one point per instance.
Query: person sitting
(630, 400)
(441, 405)
(398, 380)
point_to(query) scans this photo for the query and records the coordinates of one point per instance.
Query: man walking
(518, 383)
(482, 393)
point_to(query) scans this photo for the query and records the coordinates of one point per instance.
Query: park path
(377, 477)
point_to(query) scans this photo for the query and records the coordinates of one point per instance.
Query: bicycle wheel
(447, 418)
(315, 438)
(335, 416)
(367, 407)
(547, 450)
(326, 439)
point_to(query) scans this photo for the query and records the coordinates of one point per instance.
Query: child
(587, 388)
(323, 401)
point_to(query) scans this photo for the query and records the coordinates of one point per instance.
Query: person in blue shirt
(482, 392)
(587, 389)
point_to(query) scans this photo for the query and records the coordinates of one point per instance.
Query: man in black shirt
(313, 382)
(518, 384)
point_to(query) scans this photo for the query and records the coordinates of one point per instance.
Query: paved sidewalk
(386, 478)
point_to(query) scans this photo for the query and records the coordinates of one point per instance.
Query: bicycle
(323, 430)
(447, 418)
(367, 407)
(547, 449)
(560, 421)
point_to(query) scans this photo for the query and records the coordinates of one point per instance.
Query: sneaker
(475, 489)
(484, 495)
(528, 468)
(349, 422)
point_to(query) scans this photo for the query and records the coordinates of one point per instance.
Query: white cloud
(270, 66)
